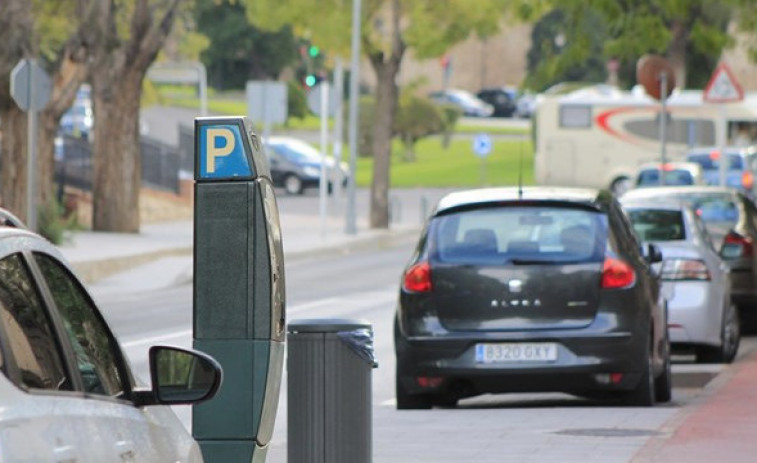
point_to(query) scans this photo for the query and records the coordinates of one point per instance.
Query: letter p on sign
(220, 143)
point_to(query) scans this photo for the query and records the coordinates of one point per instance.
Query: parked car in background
(530, 291)
(525, 107)
(78, 120)
(503, 100)
(67, 392)
(468, 103)
(731, 219)
(656, 174)
(741, 166)
(696, 282)
(296, 165)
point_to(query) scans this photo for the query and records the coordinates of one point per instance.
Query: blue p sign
(222, 151)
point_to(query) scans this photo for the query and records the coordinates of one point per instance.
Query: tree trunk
(13, 162)
(117, 68)
(117, 173)
(677, 52)
(387, 95)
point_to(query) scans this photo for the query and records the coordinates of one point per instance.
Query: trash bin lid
(326, 325)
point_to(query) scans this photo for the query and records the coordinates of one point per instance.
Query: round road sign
(482, 145)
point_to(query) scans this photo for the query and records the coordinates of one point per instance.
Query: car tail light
(684, 269)
(715, 155)
(617, 274)
(736, 245)
(418, 278)
(747, 180)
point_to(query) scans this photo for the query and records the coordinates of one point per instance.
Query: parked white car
(67, 392)
(696, 282)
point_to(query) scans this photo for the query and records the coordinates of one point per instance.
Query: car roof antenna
(520, 171)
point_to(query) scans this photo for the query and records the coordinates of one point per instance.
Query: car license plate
(516, 352)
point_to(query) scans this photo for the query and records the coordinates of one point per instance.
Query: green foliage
(53, 223)
(450, 115)
(239, 51)
(415, 119)
(594, 32)
(367, 109)
(297, 103)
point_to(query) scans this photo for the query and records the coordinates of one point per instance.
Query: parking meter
(239, 301)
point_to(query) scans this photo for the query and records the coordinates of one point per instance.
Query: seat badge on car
(515, 286)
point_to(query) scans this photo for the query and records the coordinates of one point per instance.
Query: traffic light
(310, 80)
(314, 51)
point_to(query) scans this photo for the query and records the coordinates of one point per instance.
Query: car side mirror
(181, 376)
(654, 254)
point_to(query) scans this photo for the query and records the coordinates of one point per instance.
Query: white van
(599, 136)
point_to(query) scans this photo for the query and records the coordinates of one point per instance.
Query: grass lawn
(456, 166)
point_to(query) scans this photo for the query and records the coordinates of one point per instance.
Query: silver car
(696, 282)
(67, 392)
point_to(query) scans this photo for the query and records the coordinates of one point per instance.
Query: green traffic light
(310, 80)
(313, 51)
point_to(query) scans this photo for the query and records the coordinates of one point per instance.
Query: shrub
(297, 103)
(417, 118)
(52, 223)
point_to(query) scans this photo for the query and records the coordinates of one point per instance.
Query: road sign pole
(722, 136)
(351, 222)
(31, 189)
(663, 123)
(323, 184)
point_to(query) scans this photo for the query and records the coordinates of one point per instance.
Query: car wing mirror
(181, 376)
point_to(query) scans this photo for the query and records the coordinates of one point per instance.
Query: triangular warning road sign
(723, 86)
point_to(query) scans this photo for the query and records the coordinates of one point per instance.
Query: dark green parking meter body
(239, 301)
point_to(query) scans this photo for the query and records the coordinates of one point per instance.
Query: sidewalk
(99, 255)
(721, 424)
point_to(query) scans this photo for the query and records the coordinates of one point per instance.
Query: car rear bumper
(694, 313)
(583, 364)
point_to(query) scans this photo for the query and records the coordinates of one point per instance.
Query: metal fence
(160, 164)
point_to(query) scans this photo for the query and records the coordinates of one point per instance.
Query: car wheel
(730, 338)
(643, 395)
(406, 401)
(293, 185)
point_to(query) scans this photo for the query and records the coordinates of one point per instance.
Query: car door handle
(125, 451)
(65, 454)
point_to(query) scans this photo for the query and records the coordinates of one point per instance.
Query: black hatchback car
(530, 291)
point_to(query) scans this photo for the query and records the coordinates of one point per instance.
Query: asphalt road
(515, 427)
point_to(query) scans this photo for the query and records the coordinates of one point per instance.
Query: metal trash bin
(329, 363)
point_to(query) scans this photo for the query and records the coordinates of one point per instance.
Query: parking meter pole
(238, 297)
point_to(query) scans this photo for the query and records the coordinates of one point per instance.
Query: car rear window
(518, 235)
(709, 162)
(657, 225)
(711, 207)
(651, 177)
